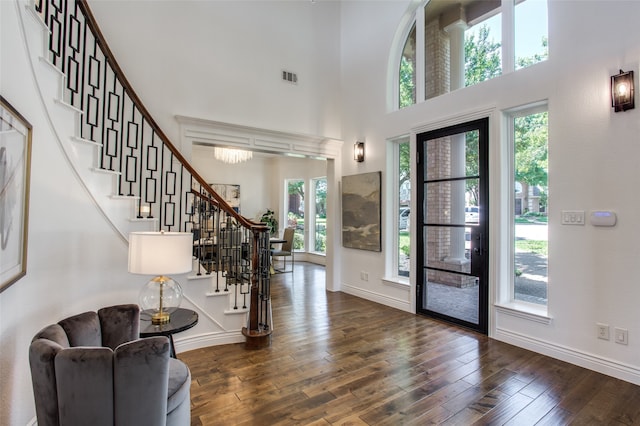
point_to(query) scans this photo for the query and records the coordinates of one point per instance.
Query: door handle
(478, 246)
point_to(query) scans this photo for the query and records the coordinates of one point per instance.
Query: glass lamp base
(160, 297)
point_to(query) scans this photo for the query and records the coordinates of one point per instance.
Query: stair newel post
(256, 337)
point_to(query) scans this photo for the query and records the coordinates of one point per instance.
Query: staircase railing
(150, 169)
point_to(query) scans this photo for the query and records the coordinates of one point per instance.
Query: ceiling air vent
(290, 77)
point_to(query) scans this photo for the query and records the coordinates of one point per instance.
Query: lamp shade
(160, 253)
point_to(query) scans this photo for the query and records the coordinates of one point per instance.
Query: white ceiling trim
(197, 131)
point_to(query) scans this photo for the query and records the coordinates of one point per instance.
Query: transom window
(464, 44)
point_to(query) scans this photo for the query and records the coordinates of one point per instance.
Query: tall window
(404, 214)
(530, 212)
(295, 211)
(470, 44)
(318, 227)
(398, 231)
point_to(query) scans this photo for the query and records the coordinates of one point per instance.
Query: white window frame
(311, 229)
(507, 11)
(505, 298)
(392, 239)
(285, 221)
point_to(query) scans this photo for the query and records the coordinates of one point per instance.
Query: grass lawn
(532, 246)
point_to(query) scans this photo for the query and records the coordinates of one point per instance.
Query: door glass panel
(452, 295)
(442, 151)
(440, 207)
(453, 255)
(448, 248)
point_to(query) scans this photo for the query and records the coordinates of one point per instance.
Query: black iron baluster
(114, 117)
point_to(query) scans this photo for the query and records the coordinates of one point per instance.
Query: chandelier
(232, 156)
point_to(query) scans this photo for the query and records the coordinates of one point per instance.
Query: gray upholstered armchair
(92, 369)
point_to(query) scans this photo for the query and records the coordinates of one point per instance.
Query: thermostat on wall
(603, 218)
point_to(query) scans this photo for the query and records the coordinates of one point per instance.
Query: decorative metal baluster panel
(148, 165)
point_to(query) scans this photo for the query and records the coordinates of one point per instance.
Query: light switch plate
(573, 217)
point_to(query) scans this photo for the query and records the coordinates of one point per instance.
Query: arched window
(408, 71)
(468, 42)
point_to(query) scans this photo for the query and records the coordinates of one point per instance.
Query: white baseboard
(208, 339)
(383, 299)
(593, 362)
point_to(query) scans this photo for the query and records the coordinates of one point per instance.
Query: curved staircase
(136, 177)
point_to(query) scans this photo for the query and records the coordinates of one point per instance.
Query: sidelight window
(530, 209)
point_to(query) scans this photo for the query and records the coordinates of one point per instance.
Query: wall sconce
(358, 152)
(622, 91)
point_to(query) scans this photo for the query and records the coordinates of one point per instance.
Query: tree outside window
(295, 211)
(483, 46)
(404, 201)
(530, 211)
(319, 224)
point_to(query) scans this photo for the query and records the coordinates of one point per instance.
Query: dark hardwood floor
(338, 359)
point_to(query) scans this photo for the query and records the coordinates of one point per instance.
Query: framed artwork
(230, 193)
(361, 211)
(15, 171)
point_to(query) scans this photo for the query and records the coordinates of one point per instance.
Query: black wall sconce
(622, 91)
(358, 152)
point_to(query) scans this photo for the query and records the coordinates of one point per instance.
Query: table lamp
(161, 254)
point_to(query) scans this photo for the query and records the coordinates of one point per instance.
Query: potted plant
(269, 218)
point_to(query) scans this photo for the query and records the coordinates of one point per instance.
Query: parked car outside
(471, 214)
(403, 218)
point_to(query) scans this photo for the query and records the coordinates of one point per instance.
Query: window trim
(506, 302)
(285, 220)
(393, 213)
(508, 47)
(312, 217)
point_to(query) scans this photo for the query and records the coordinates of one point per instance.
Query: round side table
(181, 320)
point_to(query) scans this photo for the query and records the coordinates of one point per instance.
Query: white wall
(75, 263)
(256, 195)
(593, 163)
(228, 70)
(222, 60)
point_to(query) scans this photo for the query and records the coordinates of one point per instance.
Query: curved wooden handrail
(102, 43)
(69, 53)
(258, 226)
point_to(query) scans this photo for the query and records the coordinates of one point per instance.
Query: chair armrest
(42, 355)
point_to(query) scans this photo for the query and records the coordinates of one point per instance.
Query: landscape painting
(361, 201)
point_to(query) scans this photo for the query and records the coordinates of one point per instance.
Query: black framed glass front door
(453, 224)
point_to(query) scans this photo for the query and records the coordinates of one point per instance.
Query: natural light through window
(530, 212)
(530, 32)
(464, 45)
(407, 74)
(404, 214)
(482, 50)
(319, 224)
(295, 211)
